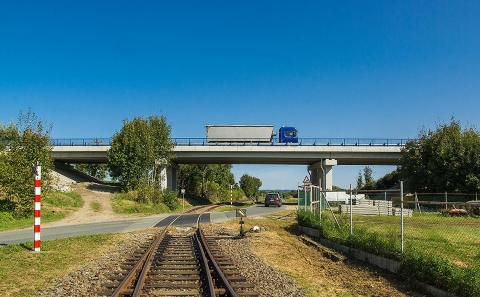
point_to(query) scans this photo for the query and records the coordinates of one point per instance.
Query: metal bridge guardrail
(204, 142)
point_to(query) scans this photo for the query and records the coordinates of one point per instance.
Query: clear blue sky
(376, 69)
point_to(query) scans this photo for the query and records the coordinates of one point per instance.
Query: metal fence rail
(445, 224)
(204, 142)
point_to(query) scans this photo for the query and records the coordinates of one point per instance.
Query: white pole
(401, 213)
(183, 198)
(298, 195)
(446, 200)
(351, 217)
(319, 195)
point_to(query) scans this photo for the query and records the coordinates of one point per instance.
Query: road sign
(242, 212)
(306, 181)
(306, 188)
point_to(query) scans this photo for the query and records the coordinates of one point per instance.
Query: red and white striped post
(38, 182)
(231, 195)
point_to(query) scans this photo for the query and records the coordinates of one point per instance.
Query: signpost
(242, 212)
(306, 188)
(306, 184)
(183, 198)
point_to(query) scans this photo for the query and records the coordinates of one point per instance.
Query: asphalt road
(51, 233)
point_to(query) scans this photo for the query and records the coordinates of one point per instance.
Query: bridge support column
(172, 181)
(169, 177)
(321, 173)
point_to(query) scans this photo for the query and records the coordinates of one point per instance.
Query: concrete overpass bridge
(319, 154)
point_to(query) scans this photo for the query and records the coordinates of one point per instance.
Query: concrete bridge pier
(169, 177)
(321, 173)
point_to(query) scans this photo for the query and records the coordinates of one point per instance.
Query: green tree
(446, 159)
(368, 179)
(250, 185)
(206, 180)
(29, 143)
(140, 151)
(98, 171)
(388, 181)
(360, 180)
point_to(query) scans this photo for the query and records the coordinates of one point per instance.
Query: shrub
(438, 271)
(5, 217)
(170, 199)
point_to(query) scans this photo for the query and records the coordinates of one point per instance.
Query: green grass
(439, 250)
(54, 206)
(23, 272)
(126, 206)
(96, 206)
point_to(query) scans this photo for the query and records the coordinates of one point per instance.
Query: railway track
(178, 264)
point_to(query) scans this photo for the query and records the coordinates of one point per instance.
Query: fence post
(319, 195)
(417, 205)
(401, 214)
(351, 218)
(446, 200)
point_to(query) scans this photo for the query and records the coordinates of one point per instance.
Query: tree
(446, 159)
(206, 180)
(28, 143)
(98, 171)
(388, 181)
(368, 179)
(250, 185)
(360, 180)
(140, 151)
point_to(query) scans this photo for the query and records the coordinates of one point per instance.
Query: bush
(147, 194)
(439, 272)
(5, 217)
(308, 219)
(170, 199)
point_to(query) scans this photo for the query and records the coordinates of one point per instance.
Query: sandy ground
(92, 194)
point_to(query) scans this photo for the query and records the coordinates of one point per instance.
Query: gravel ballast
(87, 280)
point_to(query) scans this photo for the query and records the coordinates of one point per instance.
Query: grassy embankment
(439, 250)
(55, 206)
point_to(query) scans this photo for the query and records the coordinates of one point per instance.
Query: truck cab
(287, 134)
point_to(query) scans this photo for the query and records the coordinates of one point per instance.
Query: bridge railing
(204, 142)
(81, 141)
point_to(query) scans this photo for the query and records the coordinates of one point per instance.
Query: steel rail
(216, 267)
(141, 265)
(210, 285)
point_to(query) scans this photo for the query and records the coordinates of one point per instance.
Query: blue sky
(373, 69)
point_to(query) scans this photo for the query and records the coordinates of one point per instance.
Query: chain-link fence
(436, 236)
(442, 223)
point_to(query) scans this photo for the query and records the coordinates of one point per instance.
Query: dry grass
(280, 247)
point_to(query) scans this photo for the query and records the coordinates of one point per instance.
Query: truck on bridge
(250, 133)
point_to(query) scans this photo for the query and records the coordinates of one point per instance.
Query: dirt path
(97, 205)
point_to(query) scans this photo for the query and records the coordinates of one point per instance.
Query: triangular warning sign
(306, 180)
